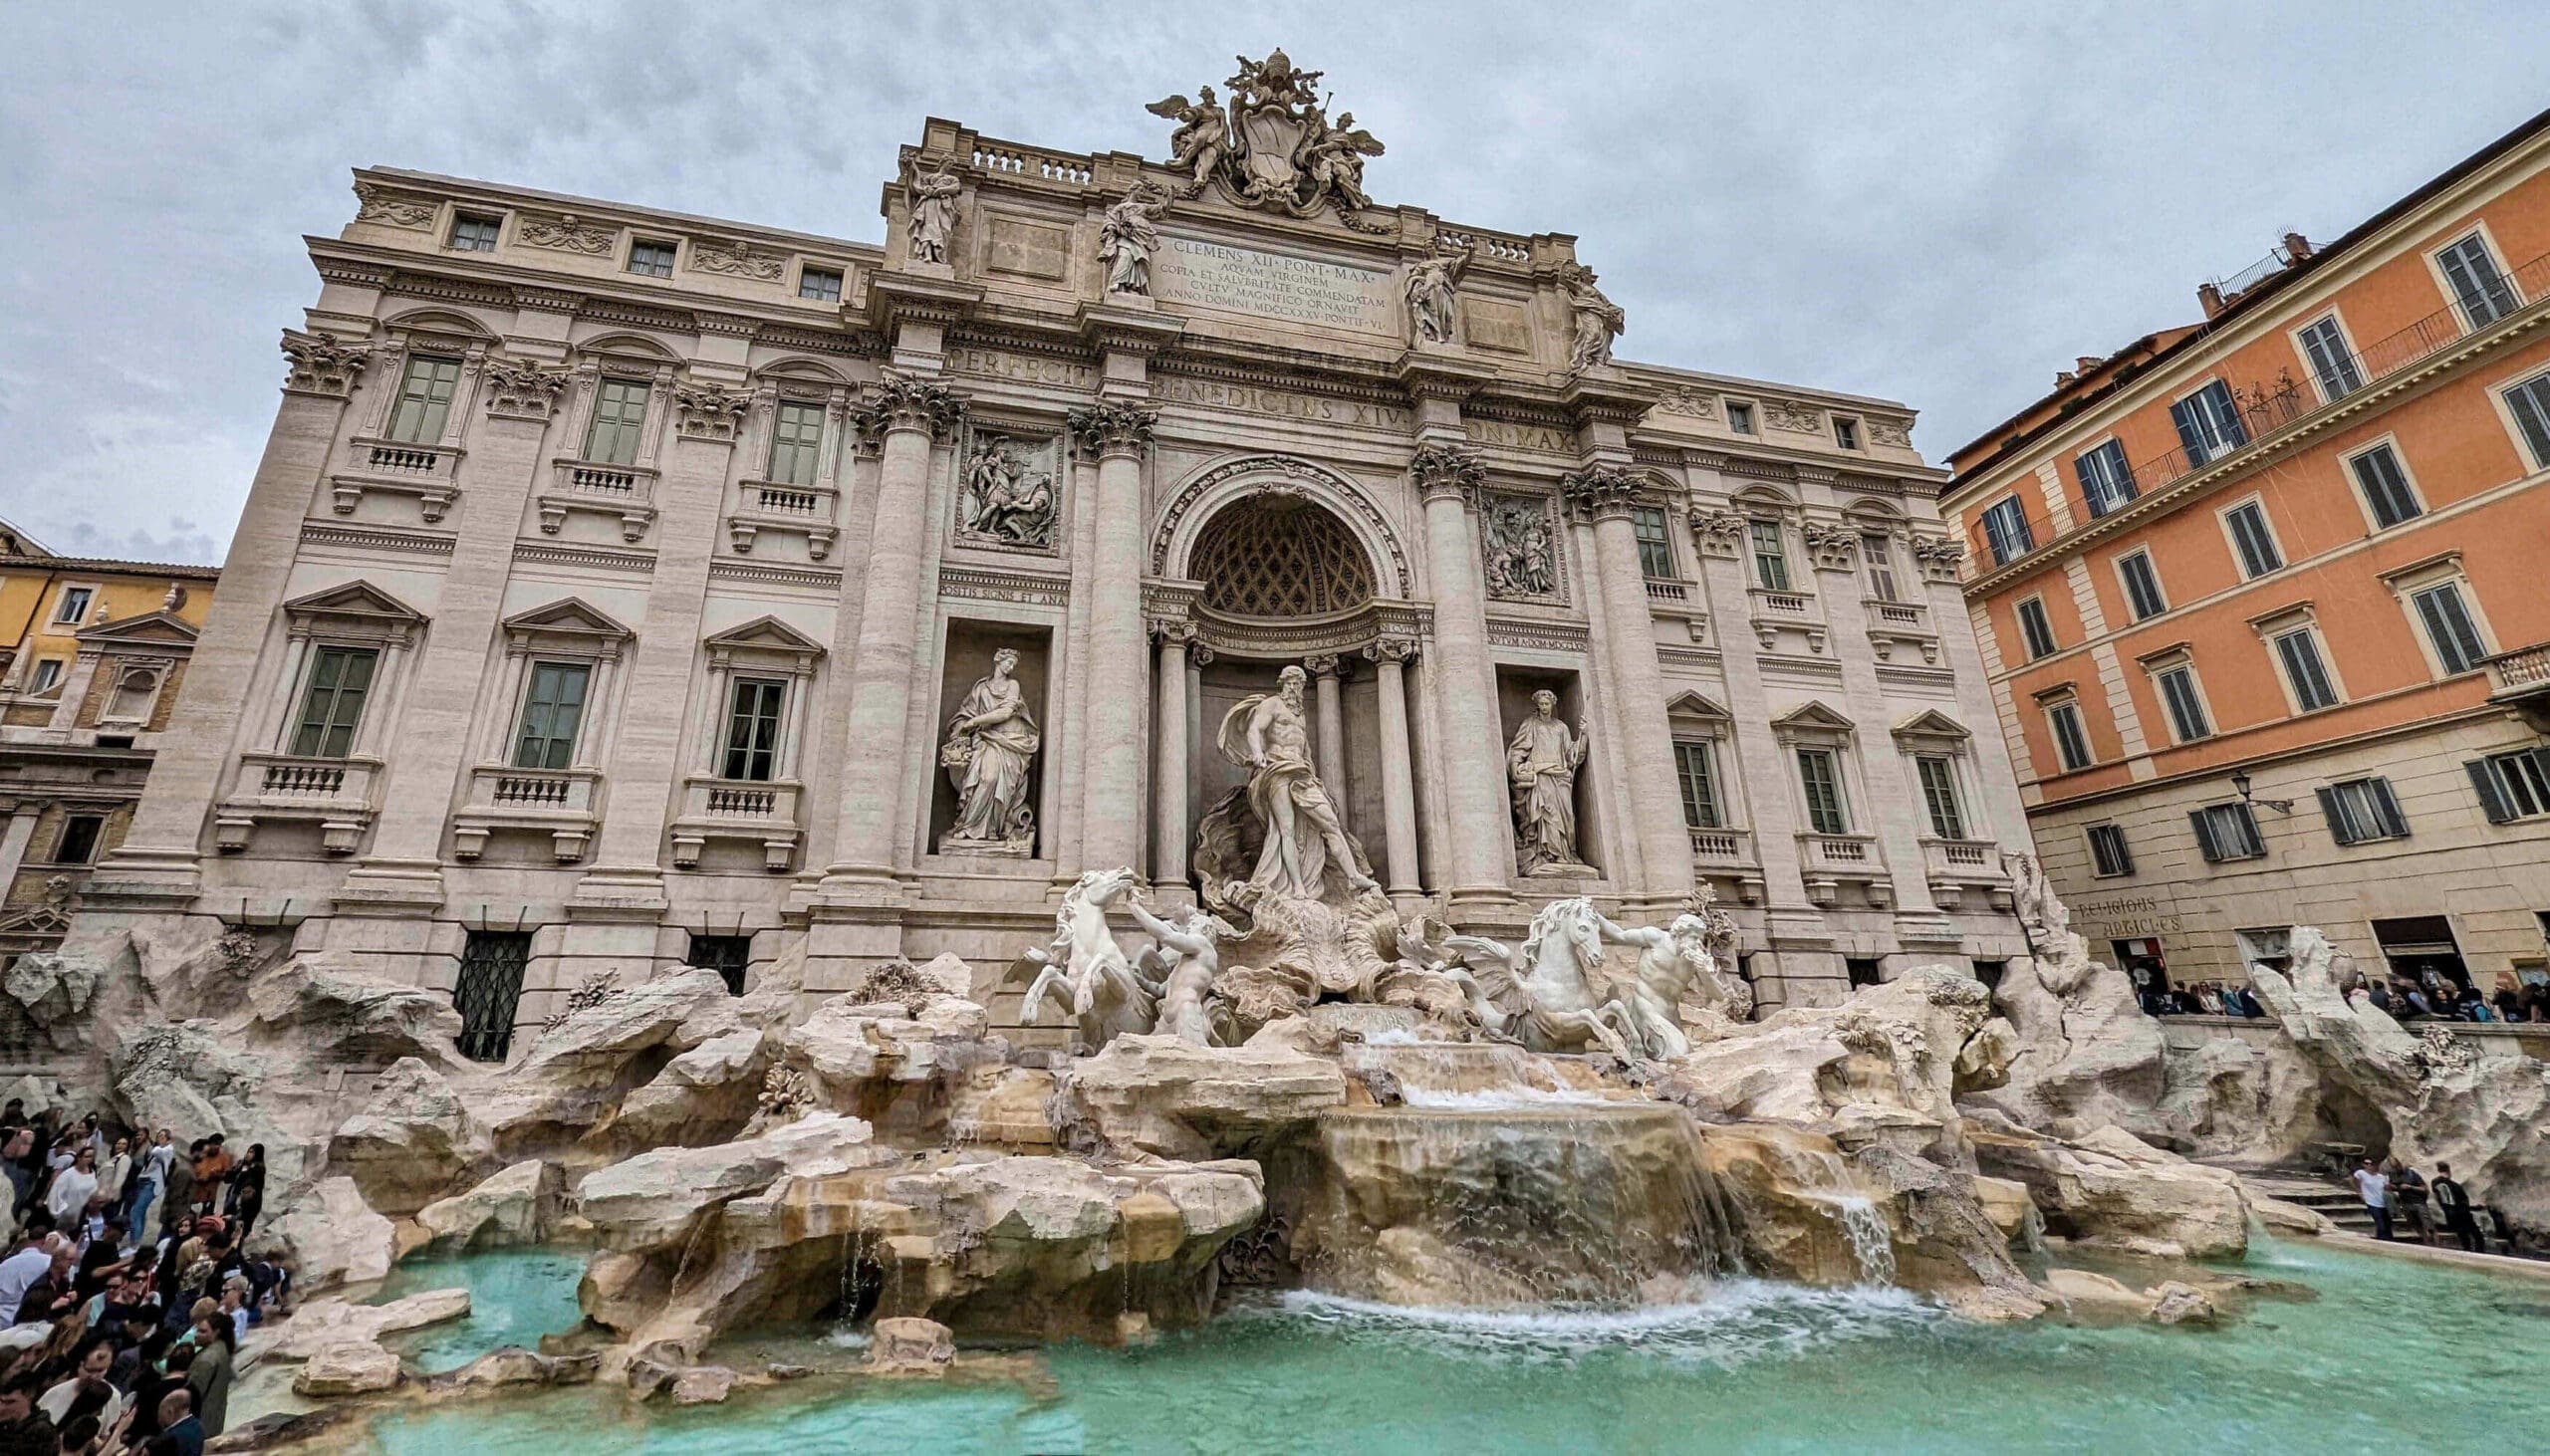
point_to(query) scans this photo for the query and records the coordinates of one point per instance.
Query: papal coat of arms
(1272, 145)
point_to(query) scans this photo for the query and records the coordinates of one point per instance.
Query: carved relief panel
(1009, 491)
(1519, 547)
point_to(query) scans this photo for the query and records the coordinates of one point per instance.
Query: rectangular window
(552, 710)
(652, 258)
(2512, 785)
(729, 955)
(2109, 855)
(1846, 432)
(332, 706)
(795, 444)
(474, 232)
(2298, 653)
(1770, 557)
(2358, 810)
(489, 991)
(1863, 970)
(1821, 776)
(1879, 552)
(823, 285)
(2035, 629)
(2332, 363)
(1739, 418)
(2385, 486)
(2226, 832)
(2107, 483)
(1655, 547)
(1695, 764)
(2477, 288)
(425, 399)
(71, 605)
(78, 844)
(619, 418)
(2142, 584)
(2449, 629)
(2530, 404)
(752, 730)
(2187, 710)
(2209, 424)
(48, 675)
(1939, 795)
(2005, 530)
(2251, 538)
(2071, 745)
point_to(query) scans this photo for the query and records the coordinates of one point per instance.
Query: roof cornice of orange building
(2240, 309)
(111, 567)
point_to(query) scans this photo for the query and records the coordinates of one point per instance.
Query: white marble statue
(1202, 137)
(1597, 318)
(1674, 966)
(1546, 997)
(933, 219)
(1004, 500)
(991, 745)
(1084, 964)
(1269, 735)
(1542, 762)
(1128, 237)
(1184, 960)
(1433, 282)
(1334, 158)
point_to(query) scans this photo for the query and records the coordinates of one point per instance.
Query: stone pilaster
(1168, 826)
(1119, 435)
(1327, 684)
(906, 414)
(1473, 767)
(1604, 494)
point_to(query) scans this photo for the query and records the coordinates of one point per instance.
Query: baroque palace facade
(2260, 600)
(626, 588)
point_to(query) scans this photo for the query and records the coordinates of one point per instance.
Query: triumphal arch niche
(626, 587)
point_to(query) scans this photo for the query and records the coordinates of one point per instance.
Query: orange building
(2262, 599)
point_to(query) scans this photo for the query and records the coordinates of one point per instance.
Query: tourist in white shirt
(23, 1268)
(73, 1187)
(2373, 1188)
(115, 1171)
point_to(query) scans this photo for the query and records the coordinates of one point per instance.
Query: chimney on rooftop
(2297, 248)
(2087, 362)
(2209, 295)
(2062, 378)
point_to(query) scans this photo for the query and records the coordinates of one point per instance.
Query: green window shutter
(2204, 841)
(2386, 807)
(2493, 799)
(2340, 826)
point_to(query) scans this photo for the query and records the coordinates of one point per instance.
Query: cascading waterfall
(1871, 1241)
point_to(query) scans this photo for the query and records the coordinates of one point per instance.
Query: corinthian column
(1169, 827)
(1328, 679)
(1606, 493)
(1473, 768)
(1398, 786)
(906, 414)
(1112, 758)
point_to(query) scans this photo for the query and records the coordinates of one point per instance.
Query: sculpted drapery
(1304, 842)
(1542, 762)
(991, 744)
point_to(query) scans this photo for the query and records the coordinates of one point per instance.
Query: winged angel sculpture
(1272, 145)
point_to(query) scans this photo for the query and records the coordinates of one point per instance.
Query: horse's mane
(1550, 918)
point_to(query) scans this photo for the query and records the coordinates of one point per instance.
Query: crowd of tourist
(2432, 997)
(125, 1289)
(2396, 1195)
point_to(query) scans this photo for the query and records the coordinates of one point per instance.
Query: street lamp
(2241, 785)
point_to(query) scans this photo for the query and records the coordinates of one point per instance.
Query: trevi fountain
(1262, 1146)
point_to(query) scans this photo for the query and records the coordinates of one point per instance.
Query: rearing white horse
(1108, 997)
(1562, 1010)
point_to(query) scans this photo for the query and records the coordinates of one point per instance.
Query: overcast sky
(1942, 208)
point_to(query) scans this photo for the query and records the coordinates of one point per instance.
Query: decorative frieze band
(1545, 636)
(368, 539)
(392, 208)
(588, 557)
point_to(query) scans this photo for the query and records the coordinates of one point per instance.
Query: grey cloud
(1939, 205)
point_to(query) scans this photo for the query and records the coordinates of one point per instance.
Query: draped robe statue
(1542, 762)
(991, 743)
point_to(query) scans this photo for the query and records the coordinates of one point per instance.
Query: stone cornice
(1114, 328)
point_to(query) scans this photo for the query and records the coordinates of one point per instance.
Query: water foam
(1730, 1323)
(1497, 1100)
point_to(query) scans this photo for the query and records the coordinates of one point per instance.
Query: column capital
(323, 365)
(1109, 429)
(1393, 650)
(1175, 632)
(905, 402)
(1447, 470)
(1599, 492)
(1323, 664)
(710, 413)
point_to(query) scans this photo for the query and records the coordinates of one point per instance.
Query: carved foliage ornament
(1447, 470)
(709, 412)
(1721, 532)
(320, 365)
(377, 204)
(1895, 432)
(1599, 490)
(566, 234)
(1681, 400)
(736, 259)
(1835, 548)
(903, 402)
(523, 389)
(1109, 429)
(1938, 557)
(1795, 418)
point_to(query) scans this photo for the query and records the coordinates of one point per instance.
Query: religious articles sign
(1276, 285)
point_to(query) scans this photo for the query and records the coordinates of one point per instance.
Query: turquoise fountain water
(2393, 1356)
(515, 1296)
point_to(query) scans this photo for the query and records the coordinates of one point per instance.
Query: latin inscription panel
(1275, 286)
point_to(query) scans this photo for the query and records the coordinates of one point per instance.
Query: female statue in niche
(1127, 238)
(991, 743)
(1542, 762)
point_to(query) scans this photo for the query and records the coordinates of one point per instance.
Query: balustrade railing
(405, 459)
(318, 780)
(742, 802)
